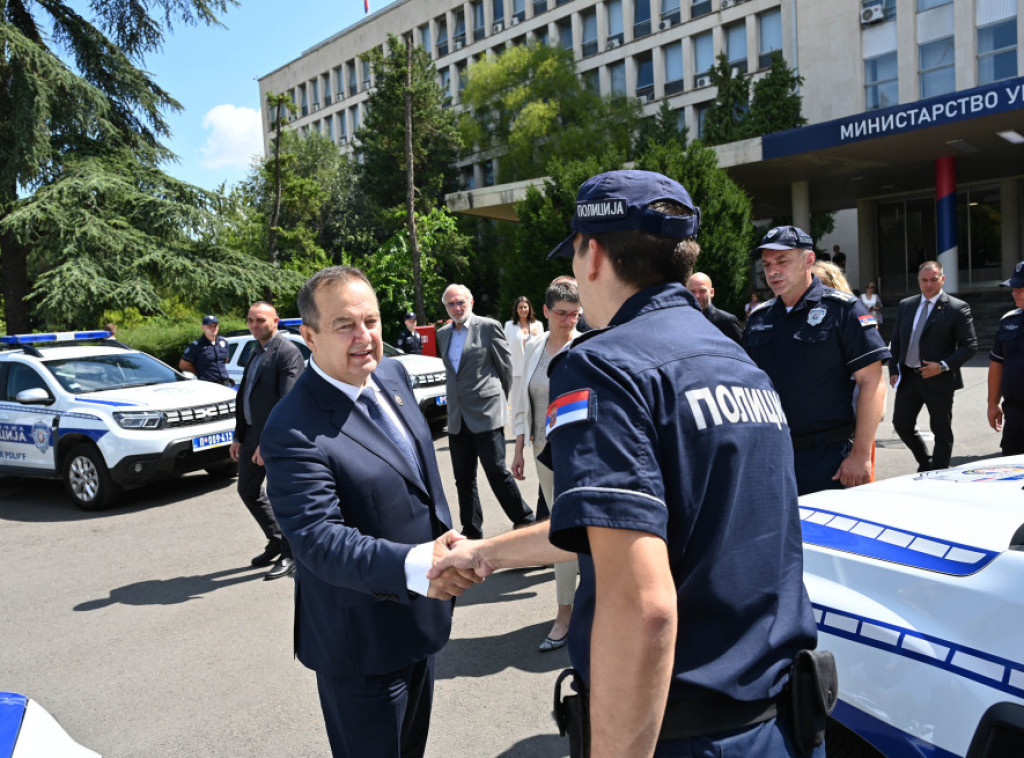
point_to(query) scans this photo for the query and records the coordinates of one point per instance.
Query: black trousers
(250, 489)
(383, 716)
(1013, 429)
(815, 466)
(912, 394)
(489, 448)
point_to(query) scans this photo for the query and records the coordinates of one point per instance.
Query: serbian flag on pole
(366, 5)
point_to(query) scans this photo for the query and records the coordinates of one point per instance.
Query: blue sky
(212, 72)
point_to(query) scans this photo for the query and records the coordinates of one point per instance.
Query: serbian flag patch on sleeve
(568, 409)
(867, 320)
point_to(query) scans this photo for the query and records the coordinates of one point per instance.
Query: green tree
(113, 232)
(726, 119)
(662, 128)
(380, 141)
(70, 86)
(776, 103)
(725, 228)
(528, 106)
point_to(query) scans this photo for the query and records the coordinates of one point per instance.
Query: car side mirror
(189, 375)
(34, 396)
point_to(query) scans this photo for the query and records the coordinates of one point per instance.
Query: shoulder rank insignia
(762, 306)
(844, 297)
(1014, 312)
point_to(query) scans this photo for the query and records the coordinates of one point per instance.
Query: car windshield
(110, 372)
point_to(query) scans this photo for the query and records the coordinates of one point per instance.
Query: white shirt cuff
(417, 563)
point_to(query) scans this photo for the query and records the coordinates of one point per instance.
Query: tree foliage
(727, 119)
(72, 87)
(662, 128)
(528, 106)
(725, 227)
(380, 141)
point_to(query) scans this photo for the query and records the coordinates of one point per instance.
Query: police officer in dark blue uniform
(1006, 371)
(673, 483)
(207, 356)
(818, 345)
(408, 340)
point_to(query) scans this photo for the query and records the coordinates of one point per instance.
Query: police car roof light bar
(27, 339)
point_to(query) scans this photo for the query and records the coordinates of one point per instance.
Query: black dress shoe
(270, 552)
(284, 567)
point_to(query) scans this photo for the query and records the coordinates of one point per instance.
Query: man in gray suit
(274, 365)
(478, 362)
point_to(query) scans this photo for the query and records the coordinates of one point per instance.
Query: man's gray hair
(333, 275)
(450, 287)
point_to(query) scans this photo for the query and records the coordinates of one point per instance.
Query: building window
(325, 85)
(592, 80)
(700, 8)
(342, 127)
(445, 75)
(769, 33)
(468, 181)
(541, 35)
(703, 53)
(644, 75)
(329, 127)
(303, 100)
(997, 51)
(565, 33)
(366, 75)
(617, 75)
(641, 18)
(736, 46)
(589, 23)
(459, 39)
(615, 30)
(442, 36)
(353, 87)
(339, 82)
(937, 75)
(540, 6)
(518, 10)
(425, 38)
(881, 85)
(670, 13)
(499, 10)
(673, 68)
(489, 173)
(923, 5)
(315, 93)
(477, 9)
(355, 119)
(701, 112)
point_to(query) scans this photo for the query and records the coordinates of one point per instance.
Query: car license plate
(442, 400)
(211, 440)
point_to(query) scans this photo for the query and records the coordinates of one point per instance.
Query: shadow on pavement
(517, 649)
(44, 500)
(539, 746)
(181, 589)
(509, 585)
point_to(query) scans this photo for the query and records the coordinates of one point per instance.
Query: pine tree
(776, 103)
(726, 120)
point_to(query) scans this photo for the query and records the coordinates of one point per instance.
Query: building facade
(915, 108)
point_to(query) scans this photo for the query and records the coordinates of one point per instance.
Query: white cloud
(236, 136)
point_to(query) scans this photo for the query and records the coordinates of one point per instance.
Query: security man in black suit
(933, 337)
(274, 366)
(1006, 371)
(701, 288)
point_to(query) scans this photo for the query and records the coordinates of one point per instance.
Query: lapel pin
(398, 399)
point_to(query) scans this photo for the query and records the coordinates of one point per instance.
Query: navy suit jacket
(352, 507)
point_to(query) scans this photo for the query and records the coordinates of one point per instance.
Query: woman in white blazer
(520, 329)
(529, 407)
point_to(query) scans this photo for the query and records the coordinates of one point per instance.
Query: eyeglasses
(456, 303)
(567, 315)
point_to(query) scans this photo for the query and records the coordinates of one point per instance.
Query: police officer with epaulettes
(691, 610)
(818, 344)
(1006, 371)
(207, 356)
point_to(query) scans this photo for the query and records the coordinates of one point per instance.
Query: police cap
(207, 320)
(784, 238)
(1017, 280)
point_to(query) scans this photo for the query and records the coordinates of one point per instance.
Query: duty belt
(819, 439)
(712, 713)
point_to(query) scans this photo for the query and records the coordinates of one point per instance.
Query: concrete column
(800, 192)
(576, 24)
(867, 247)
(658, 62)
(602, 26)
(1009, 208)
(630, 76)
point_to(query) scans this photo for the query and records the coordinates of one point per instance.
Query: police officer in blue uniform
(691, 605)
(408, 341)
(1006, 371)
(818, 345)
(207, 356)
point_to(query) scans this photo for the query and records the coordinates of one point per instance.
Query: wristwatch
(945, 368)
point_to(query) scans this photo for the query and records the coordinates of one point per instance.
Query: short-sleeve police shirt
(661, 424)
(812, 352)
(209, 358)
(1008, 349)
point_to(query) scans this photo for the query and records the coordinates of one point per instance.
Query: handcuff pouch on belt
(809, 698)
(572, 714)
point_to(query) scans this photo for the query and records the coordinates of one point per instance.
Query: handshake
(456, 566)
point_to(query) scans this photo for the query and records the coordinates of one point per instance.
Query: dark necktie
(914, 348)
(368, 399)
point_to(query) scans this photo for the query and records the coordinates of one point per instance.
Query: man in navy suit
(354, 483)
(934, 336)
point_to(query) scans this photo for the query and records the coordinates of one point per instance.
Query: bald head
(700, 286)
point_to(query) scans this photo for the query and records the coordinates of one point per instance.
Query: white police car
(27, 730)
(103, 417)
(916, 584)
(426, 373)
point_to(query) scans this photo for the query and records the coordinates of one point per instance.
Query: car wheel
(223, 471)
(840, 742)
(87, 479)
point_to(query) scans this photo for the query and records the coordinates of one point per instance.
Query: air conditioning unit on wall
(871, 14)
(612, 43)
(665, 24)
(497, 28)
(703, 81)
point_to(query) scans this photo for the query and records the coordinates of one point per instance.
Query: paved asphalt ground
(145, 633)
